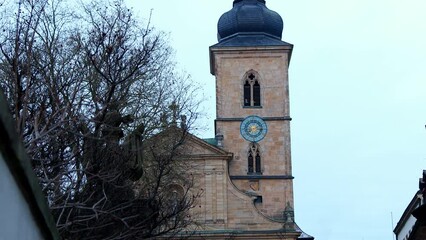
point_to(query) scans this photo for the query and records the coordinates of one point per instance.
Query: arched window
(254, 159)
(251, 90)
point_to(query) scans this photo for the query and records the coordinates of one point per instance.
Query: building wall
(229, 71)
(275, 148)
(223, 206)
(406, 229)
(210, 180)
(271, 65)
(16, 218)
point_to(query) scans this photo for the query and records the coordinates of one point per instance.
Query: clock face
(253, 128)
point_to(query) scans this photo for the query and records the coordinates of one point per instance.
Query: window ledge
(252, 107)
(251, 177)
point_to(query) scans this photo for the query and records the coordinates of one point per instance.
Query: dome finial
(250, 17)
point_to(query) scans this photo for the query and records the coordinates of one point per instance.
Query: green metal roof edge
(20, 167)
(211, 141)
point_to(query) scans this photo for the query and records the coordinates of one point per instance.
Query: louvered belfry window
(251, 91)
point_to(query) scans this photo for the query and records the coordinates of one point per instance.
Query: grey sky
(358, 102)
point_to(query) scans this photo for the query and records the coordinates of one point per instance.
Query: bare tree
(89, 90)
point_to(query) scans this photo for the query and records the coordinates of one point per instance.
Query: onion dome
(249, 17)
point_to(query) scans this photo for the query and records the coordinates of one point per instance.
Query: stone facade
(223, 208)
(270, 64)
(237, 204)
(230, 65)
(247, 185)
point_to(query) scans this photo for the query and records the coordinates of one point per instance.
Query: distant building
(24, 214)
(412, 225)
(246, 171)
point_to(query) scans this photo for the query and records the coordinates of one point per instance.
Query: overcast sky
(358, 102)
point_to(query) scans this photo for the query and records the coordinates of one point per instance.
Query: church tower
(245, 174)
(251, 63)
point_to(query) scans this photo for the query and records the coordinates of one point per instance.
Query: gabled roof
(195, 147)
(204, 149)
